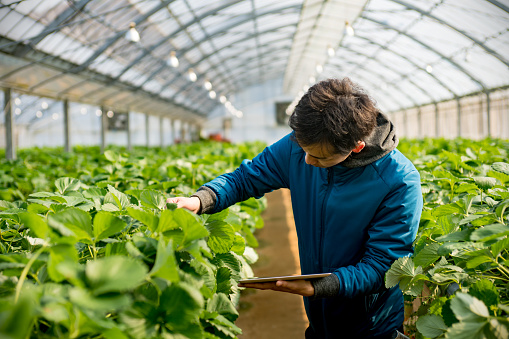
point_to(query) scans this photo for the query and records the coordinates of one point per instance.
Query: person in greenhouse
(356, 201)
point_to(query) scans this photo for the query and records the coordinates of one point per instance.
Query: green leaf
(499, 246)
(221, 304)
(112, 156)
(166, 221)
(466, 187)
(190, 224)
(59, 254)
(466, 330)
(431, 326)
(221, 236)
(146, 218)
(72, 222)
(468, 308)
(500, 209)
(459, 247)
(455, 236)
(239, 245)
(182, 304)
(476, 261)
(485, 220)
(35, 223)
(114, 274)
(485, 183)
(117, 198)
(501, 167)
(152, 199)
(428, 255)
(485, 291)
(223, 281)
(445, 210)
(489, 232)
(410, 279)
(106, 224)
(67, 184)
(104, 303)
(165, 265)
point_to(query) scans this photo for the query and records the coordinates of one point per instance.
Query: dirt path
(270, 314)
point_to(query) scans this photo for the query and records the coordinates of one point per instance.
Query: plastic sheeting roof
(405, 52)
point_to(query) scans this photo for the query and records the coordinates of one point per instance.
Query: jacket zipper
(330, 176)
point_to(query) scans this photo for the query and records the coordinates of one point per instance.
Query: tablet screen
(287, 277)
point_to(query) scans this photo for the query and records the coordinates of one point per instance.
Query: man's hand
(193, 203)
(301, 287)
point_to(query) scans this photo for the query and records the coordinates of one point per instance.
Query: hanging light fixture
(349, 29)
(17, 101)
(212, 94)
(17, 111)
(44, 105)
(222, 99)
(132, 34)
(110, 114)
(98, 113)
(83, 110)
(207, 85)
(429, 68)
(54, 116)
(319, 68)
(192, 75)
(467, 56)
(331, 51)
(174, 61)
(38, 114)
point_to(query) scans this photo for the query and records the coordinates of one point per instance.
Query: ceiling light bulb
(44, 105)
(349, 29)
(319, 68)
(54, 116)
(192, 75)
(429, 69)
(212, 94)
(17, 111)
(208, 85)
(110, 114)
(174, 62)
(98, 113)
(331, 51)
(312, 79)
(38, 114)
(132, 34)
(17, 101)
(222, 99)
(240, 114)
(83, 110)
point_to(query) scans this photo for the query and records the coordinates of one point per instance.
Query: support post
(104, 126)
(405, 123)
(147, 133)
(161, 131)
(10, 152)
(182, 132)
(488, 112)
(128, 124)
(437, 122)
(458, 104)
(419, 121)
(67, 127)
(173, 136)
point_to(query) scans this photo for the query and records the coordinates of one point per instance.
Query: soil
(271, 314)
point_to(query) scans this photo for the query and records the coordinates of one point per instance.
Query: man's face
(321, 156)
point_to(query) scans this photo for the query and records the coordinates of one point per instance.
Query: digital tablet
(287, 277)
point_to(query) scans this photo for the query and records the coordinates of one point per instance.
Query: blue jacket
(353, 222)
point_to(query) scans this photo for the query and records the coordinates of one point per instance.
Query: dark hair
(334, 113)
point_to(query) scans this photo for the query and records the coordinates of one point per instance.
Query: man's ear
(360, 147)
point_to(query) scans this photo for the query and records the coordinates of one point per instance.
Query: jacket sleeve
(390, 236)
(253, 178)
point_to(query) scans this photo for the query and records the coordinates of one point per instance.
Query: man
(356, 201)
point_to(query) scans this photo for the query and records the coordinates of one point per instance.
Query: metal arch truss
(428, 47)
(462, 32)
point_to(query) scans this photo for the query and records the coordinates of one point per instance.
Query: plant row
(456, 283)
(90, 249)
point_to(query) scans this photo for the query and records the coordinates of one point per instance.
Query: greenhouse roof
(192, 55)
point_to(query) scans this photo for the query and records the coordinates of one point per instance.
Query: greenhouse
(158, 156)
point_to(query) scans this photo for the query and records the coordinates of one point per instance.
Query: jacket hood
(379, 143)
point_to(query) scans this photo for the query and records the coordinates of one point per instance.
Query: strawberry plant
(459, 274)
(99, 253)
